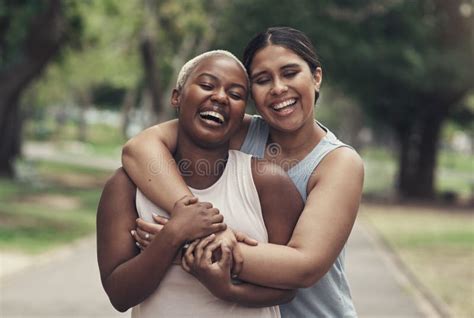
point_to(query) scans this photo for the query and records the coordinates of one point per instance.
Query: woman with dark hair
(210, 98)
(285, 77)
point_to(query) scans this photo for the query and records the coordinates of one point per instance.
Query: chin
(209, 141)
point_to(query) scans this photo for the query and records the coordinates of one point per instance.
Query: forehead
(275, 56)
(222, 67)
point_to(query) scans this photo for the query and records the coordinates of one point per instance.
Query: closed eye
(261, 81)
(290, 74)
(235, 96)
(206, 86)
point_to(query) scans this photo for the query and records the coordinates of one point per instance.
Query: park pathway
(66, 283)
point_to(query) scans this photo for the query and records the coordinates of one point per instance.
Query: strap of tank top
(256, 139)
(301, 172)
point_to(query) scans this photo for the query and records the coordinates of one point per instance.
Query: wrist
(220, 289)
(230, 292)
(175, 237)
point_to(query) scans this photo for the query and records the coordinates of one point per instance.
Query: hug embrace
(241, 216)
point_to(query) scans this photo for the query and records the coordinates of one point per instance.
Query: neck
(298, 143)
(200, 166)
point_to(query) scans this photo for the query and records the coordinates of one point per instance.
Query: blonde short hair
(190, 65)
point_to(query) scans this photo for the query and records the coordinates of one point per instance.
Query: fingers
(188, 257)
(141, 243)
(209, 252)
(217, 218)
(214, 211)
(185, 265)
(226, 259)
(187, 200)
(244, 238)
(160, 219)
(206, 205)
(218, 227)
(145, 236)
(148, 226)
(198, 254)
(238, 261)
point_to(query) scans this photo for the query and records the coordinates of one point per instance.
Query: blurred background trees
(31, 34)
(396, 72)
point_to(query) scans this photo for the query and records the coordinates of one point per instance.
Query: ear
(175, 98)
(317, 78)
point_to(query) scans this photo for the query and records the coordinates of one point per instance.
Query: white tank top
(181, 294)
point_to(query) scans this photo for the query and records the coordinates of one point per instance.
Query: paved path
(68, 284)
(379, 288)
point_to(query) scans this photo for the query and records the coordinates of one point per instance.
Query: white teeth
(284, 104)
(216, 115)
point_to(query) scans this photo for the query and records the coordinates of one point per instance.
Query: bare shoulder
(268, 174)
(343, 163)
(344, 158)
(119, 179)
(118, 191)
(238, 139)
(272, 180)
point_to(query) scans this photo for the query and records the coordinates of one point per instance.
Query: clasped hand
(214, 251)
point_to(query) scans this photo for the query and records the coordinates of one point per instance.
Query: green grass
(101, 139)
(454, 174)
(436, 244)
(47, 168)
(33, 229)
(56, 207)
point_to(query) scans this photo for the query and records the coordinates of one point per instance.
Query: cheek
(258, 93)
(239, 109)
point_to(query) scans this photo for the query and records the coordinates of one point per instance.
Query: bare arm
(321, 232)
(128, 276)
(216, 277)
(280, 201)
(147, 159)
(281, 206)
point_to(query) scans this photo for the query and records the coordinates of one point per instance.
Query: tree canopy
(406, 63)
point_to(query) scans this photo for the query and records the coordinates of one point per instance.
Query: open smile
(281, 106)
(212, 117)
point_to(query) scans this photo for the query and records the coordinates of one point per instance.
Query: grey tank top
(330, 296)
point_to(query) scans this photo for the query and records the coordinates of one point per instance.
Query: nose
(279, 87)
(219, 96)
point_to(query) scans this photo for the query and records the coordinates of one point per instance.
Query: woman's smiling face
(283, 87)
(212, 101)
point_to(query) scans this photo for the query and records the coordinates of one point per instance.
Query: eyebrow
(217, 79)
(289, 65)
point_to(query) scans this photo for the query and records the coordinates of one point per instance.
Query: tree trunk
(150, 67)
(10, 137)
(45, 36)
(418, 155)
(85, 101)
(127, 106)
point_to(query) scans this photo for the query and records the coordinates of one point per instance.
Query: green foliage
(107, 96)
(14, 16)
(392, 55)
(51, 210)
(454, 173)
(106, 56)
